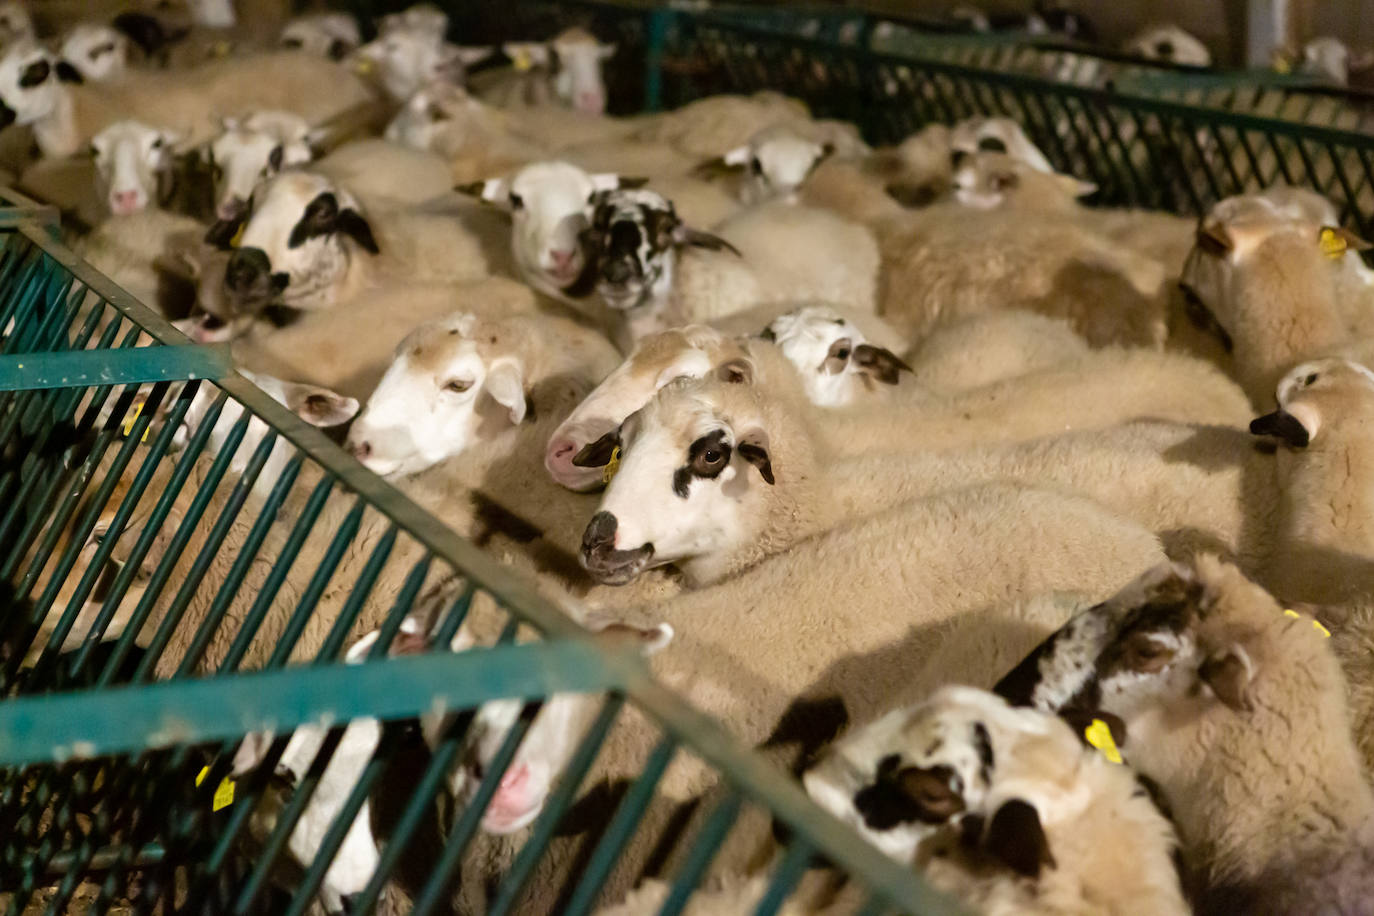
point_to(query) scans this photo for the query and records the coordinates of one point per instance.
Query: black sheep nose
(618, 271)
(600, 533)
(246, 268)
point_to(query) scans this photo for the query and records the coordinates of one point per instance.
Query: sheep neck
(56, 133)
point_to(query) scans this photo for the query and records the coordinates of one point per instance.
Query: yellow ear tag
(1316, 624)
(523, 61)
(1099, 735)
(224, 794)
(612, 467)
(1282, 64)
(1333, 243)
(221, 49)
(363, 66)
(132, 418)
(238, 236)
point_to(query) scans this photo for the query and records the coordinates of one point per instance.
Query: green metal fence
(159, 604)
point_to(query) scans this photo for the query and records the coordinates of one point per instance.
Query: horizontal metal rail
(89, 368)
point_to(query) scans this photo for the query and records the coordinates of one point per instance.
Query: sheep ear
(1214, 239)
(492, 191)
(1350, 239)
(222, 233)
(1284, 426)
(737, 157)
(605, 51)
(319, 406)
(710, 168)
(251, 752)
(1076, 187)
(691, 364)
(647, 640)
(598, 454)
(1016, 838)
(505, 385)
(354, 225)
(753, 448)
(274, 158)
(878, 363)
(69, 74)
(695, 238)
(473, 55)
(737, 371)
(1229, 675)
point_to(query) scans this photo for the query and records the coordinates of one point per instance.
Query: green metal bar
(785, 878)
(704, 849)
(622, 826)
(310, 598)
(105, 367)
(57, 727)
(659, 21)
(357, 597)
(555, 807)
(455, 844)
(280, 569)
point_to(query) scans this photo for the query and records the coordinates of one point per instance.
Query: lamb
(773, 164)
(1093, 392)
(1170, 44)
(251, 150)
(96, 51)
(133, 164)
(785, 253)
(1237, 711)
(1270, 290)
(550, 205)
(308, 244)
(331, 35)
(64, 116)
(1003, 808)
(404, 58)
(566, 69)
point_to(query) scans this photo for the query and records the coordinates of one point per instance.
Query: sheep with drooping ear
(96, 51)
(773, 164)
(1237, 710)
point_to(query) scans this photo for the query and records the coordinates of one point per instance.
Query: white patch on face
(805, 336)
(579, 82)
(641, 496)
(424, 411)
(969, 136)
(786, 162)
(128, 158)
(98, 52)
(317, 34)
(628, 388)
(550, 205)
(243, 155)
(38, 100)
(656, 266)
(315, 265)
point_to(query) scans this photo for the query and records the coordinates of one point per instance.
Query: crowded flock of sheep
(825, 430)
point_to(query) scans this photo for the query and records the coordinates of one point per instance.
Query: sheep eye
(1310, 379)
(709, 455)
(457, 385)
(516, 201)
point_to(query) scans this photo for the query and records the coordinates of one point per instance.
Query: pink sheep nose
(360, 450)
(230, 208)
(562, 260)
(561, 454)
(125, 201)
(591, 102)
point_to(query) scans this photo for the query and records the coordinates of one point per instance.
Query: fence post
(655, 42)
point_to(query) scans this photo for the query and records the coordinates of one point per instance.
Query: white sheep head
(834, 359)
(1322, 393)
(134, 162)
(250, 150)
(96, 51)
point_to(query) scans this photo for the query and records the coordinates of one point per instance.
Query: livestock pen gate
(114, 795)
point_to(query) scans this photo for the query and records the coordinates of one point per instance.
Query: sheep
(126, 249)
(785, 253)
(97, 52)
(1237, 712)
(707, 448)
(550, 205)
(703, 128)
(1270, 289)
(309, 246)
(133, 163)
(403, 59)
(331, 35)
(252, 149)
(1099, 390)
(832, 356)
(1170, 44)
(566, 69)
(1003, 808)
(773, 164)
(424, 17)
(996, 135)
(15, 22)
(381, 172)
(840, 659)
(988, 348)
(65, 116)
